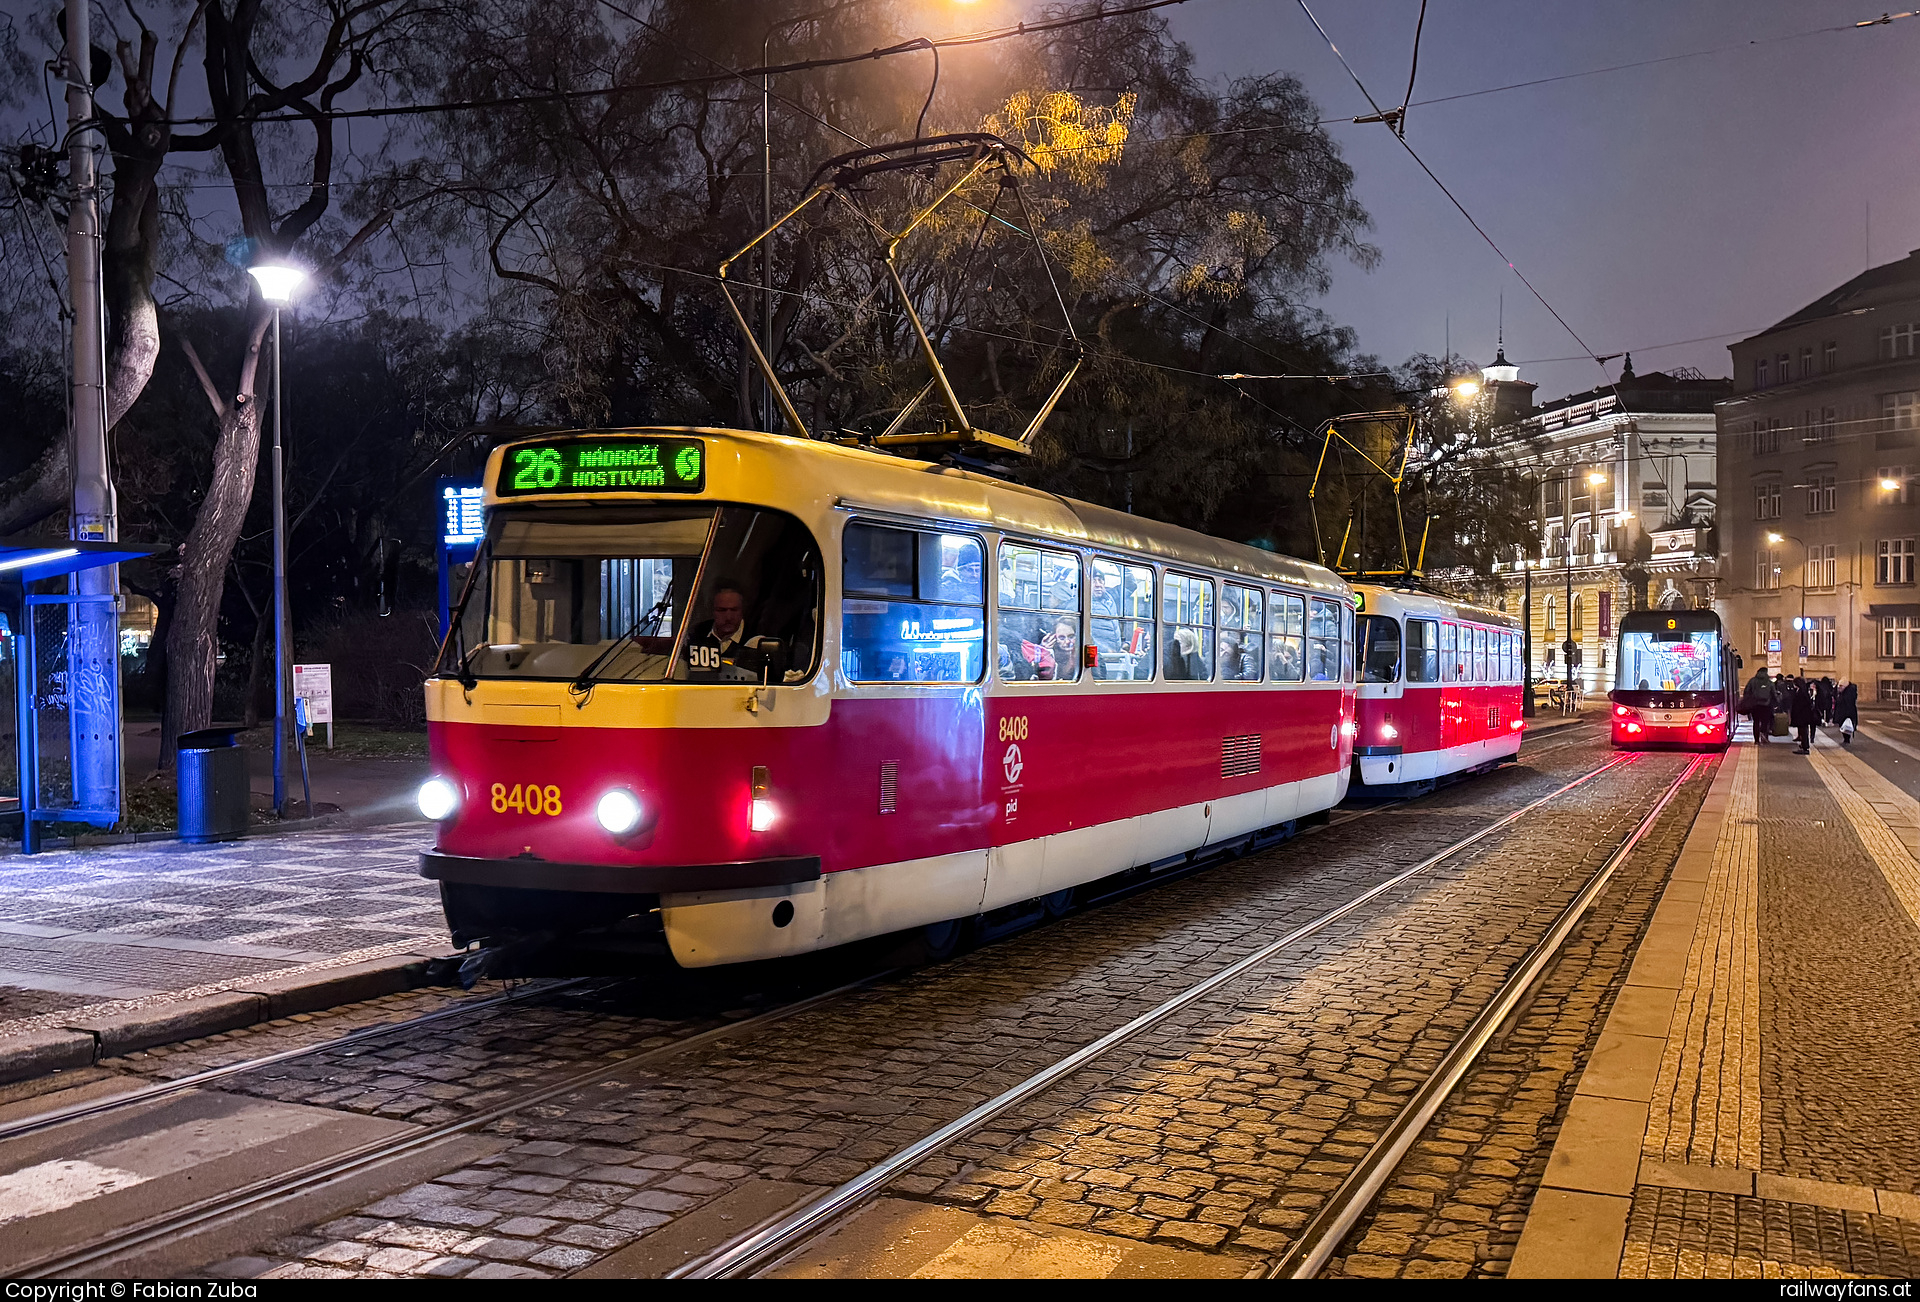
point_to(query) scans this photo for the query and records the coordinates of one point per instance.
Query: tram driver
(718, 648)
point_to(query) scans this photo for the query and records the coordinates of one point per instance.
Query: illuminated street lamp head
(1465, 389)
(1775, 538)
(1890, 485)
(1597, 478)
(277, 283)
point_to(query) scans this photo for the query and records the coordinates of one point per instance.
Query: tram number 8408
(529, 799)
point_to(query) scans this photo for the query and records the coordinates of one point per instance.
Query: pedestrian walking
(1803, 716)
(1757, 704)
(1846, 710)
(1823, 700)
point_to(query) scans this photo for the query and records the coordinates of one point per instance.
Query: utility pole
(93, 630)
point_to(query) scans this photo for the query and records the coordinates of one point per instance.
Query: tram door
(1380, 655)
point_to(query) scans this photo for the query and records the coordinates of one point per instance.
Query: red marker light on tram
(763, 813)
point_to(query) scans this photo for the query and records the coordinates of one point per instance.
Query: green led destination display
(610, 465)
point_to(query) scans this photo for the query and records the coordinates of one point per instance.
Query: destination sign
(616, 464)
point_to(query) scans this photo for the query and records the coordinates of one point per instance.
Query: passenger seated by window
(1064, 642)
(1183, 656)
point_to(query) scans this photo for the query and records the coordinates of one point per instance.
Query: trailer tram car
(752, 695)
(1676, 681)
(1439, 689)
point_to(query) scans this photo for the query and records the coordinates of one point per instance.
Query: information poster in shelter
(314, 685)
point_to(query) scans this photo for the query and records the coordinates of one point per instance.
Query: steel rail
(1308, 1255)
(764, 1246)
(264, 1194)
(94, 1107)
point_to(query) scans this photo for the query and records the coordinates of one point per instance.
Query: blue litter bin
(213, 787)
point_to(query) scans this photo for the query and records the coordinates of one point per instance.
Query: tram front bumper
(618, 879)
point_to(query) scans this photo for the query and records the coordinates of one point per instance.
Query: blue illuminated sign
(462, 520)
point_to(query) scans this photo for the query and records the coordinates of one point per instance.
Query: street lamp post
(1595, 478)
(277, 284)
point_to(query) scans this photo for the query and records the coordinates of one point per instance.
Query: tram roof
(1420, 601)
(877, 481)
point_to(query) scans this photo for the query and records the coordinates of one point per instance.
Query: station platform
(1750, 1109)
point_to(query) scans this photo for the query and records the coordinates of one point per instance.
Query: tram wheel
(940, 940)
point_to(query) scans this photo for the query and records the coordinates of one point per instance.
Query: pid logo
(1012, 763)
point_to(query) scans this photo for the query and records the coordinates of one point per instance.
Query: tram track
(780, 1239)
(129, 1244)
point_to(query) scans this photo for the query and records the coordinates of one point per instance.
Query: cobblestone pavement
(1456, 1207)
(1221, 1131)
(125, 922)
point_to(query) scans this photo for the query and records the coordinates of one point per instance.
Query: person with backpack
(1757, 704)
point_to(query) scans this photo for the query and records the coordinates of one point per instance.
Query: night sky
(1708, 196)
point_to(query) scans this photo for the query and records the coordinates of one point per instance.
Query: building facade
(1626, 490)
(1819, 444)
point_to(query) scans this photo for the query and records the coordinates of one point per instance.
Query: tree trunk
(194, 640)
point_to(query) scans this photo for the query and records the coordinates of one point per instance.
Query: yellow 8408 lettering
(527, 798)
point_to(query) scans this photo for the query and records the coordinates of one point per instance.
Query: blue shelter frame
(67, 733)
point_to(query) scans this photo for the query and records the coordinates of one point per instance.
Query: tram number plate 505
(529, 799)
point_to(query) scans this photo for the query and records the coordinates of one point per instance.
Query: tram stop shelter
(60, 662)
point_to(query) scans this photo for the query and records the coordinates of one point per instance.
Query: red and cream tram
(1676, 681)
(1439, 688)
(768, 695)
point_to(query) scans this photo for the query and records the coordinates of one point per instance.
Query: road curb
(90, 1040)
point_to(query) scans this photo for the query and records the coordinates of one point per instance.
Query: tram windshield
(640, 594)
(1685, 660)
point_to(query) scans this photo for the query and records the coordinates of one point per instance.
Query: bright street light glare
(1890, 485)
(1775, 538)
(1466, 388)
(1597, 478)
(277, 283)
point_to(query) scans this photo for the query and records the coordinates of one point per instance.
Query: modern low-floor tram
(1439, 689)
(755, 695)
(1676, 681)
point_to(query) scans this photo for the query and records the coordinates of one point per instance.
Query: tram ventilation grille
(889, 786)
(1239, 756)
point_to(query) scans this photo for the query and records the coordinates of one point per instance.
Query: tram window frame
(1368, 626)
(1065, 663)
(1324, 643)
(911, 592)
(1480, 655)
(1245, 604)
(1127, 626)
(1179, 589)
(1513, 657)
(1286, 630)
(1347, 641)
(1427, 645)
(1449, 665)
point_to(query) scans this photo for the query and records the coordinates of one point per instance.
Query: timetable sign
(617, 464)
(463, 516)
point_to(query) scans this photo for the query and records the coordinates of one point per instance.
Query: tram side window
(914, 609)
(1449, 666)
(1120, 600)
(1287, 615)
(1186, 626)
(1507, 658)
(1380, 649)
(1423, 651)
(1323, 641)
(1346, 644)
(1242, 635)
(1039, 614)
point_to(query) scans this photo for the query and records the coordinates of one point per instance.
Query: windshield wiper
(641, 627)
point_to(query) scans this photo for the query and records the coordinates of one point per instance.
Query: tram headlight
(763, 815)
(438, 799)
(618, 811)
(1388, 731)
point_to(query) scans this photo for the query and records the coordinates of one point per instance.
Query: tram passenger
(1805, 720)
(1823, 699)
(1183, 661)
(1063, 642)
(1846, 710)
(1758, 704)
